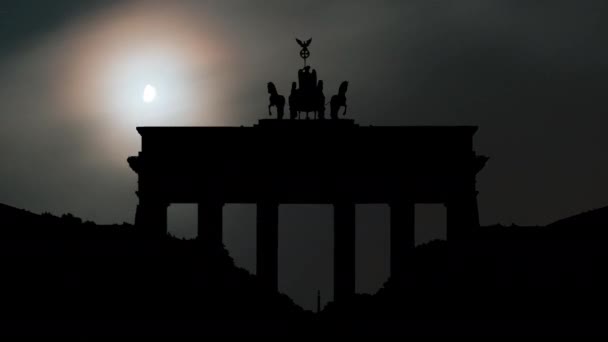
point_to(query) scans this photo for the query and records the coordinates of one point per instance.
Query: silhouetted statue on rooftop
(303, 75)
(307, 94)
(307, 79)
(339, 100)
(308, 97)
(293, 100)
(276, 100)
(320, 99)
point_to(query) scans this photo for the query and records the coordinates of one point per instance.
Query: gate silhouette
(333, 162)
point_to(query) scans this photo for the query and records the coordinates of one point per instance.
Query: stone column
(151, 218)
(402, 237)
(462, 216)
(210, 219)
(267, 265)
(344, 250)
(475, 210)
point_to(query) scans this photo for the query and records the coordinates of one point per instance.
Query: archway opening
(305, 253)
(372, 253)
(239, 222)
(182, 220)
(431, 223)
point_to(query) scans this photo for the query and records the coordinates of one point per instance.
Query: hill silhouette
(503, 280)
(592, 218)
(62, 275)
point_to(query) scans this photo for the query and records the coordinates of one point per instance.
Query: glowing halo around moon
(142, 65)
(149, 94)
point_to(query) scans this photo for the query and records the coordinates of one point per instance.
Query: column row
(460, 214)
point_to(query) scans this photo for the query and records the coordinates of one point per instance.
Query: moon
(149, 94)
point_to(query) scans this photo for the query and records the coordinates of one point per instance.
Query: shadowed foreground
(62, 276)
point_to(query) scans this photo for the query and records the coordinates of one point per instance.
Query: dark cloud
(22, 22)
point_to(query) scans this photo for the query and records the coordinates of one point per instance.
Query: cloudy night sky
(531, 74)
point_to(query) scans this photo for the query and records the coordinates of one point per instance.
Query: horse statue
(338, 101)
(276, 100)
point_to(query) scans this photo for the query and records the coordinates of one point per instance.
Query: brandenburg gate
(332, 162)
(309, 161)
